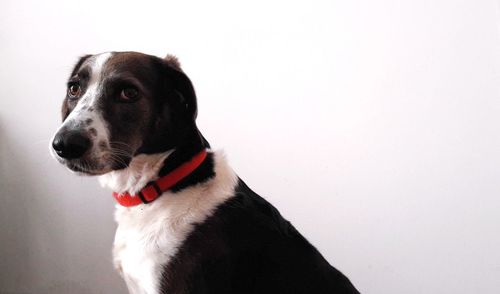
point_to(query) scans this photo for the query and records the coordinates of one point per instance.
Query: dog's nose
(71, 144)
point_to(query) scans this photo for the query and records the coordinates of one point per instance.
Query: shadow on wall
(35, 251)
(17, 264)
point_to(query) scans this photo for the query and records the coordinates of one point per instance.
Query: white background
(374, 126)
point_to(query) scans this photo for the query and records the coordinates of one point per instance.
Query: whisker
(116, 143)
(120, 153)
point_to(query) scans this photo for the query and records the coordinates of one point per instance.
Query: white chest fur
(148, 236)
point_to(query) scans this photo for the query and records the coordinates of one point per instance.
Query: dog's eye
(129, 94)
(74, 91)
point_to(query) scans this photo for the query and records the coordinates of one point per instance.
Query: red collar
(154, 189)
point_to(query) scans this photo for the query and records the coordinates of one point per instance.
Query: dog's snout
(71, 144)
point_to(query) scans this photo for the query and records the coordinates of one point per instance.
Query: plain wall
(374, 126)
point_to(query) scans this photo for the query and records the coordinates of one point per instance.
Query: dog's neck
(145, 168)
(142, 169)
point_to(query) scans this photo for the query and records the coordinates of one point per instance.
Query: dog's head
(122, 104)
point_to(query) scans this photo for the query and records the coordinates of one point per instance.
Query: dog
(186, 222)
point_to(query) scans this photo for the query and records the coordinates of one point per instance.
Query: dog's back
(246, 246)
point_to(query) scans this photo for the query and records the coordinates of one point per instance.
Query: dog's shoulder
(246, 246)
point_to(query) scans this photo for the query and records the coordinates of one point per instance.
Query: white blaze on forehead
(93, 91)
(86, 108)
(95, 85)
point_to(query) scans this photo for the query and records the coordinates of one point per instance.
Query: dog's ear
(173, 61)
(182, 86)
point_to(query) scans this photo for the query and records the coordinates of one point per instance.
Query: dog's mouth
(83, 170)
(95, 166)
(86, 168)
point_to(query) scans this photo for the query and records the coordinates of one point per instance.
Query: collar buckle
(150, 192)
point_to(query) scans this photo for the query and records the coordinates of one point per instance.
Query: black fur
(203, 173)
(246, 246)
